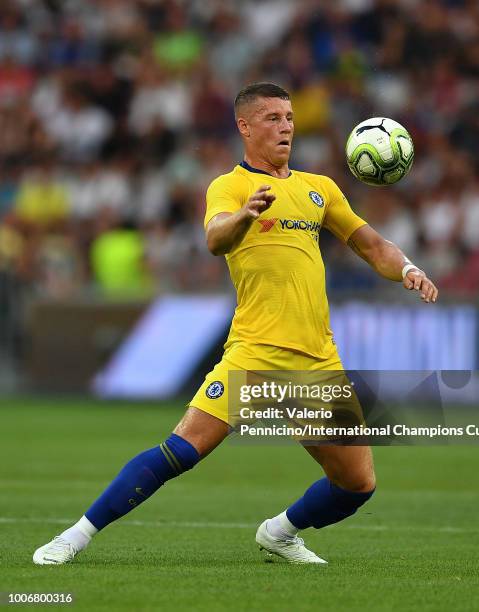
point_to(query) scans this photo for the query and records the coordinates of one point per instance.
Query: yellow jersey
(277, 269)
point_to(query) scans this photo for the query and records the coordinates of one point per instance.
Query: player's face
(269, 129)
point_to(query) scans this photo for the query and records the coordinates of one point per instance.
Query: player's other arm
(226, 230)
(389, 261)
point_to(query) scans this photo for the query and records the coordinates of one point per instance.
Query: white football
(379, 151)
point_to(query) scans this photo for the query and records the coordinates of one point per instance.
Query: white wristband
(407, 268)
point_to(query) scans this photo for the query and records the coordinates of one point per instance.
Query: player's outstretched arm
(227, 230)
(389, 261)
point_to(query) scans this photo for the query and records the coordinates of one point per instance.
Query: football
(379, 151)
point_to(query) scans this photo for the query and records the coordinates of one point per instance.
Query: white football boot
(56, 552)
(291, 549)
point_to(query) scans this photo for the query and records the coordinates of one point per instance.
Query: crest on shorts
(316, 198)
(215, 389)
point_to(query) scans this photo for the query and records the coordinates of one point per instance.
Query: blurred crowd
(116, 114)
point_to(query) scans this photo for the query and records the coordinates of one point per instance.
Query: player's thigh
(219, 395)
(349, 467)
(202, 430)
(207, 421)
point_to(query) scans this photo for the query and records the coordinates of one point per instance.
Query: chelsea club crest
(215, 390)
(316, 198)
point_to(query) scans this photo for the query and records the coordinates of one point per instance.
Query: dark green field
(415, 546)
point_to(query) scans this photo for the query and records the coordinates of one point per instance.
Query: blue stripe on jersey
(244, 164)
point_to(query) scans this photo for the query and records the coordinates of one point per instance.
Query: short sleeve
(224, 195)
(340, 218)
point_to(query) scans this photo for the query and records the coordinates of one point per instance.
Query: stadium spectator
(79, 127)
(17, 42)
(158, 97)
(117, 258)
(99, 186)
(41, 202)
(16, 81)
(178, 47)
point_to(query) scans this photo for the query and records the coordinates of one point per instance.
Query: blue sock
(323, 504)
(140, 478)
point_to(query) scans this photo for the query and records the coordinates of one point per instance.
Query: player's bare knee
(203, 431)
(360, 483)
(364, 485)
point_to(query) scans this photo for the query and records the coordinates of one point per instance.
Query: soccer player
(265, 218)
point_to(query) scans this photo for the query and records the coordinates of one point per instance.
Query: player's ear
(243, 127)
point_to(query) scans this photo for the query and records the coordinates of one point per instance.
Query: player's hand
(258, 202)
(417, 280)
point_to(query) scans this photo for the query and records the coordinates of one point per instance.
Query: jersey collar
(246, 166)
